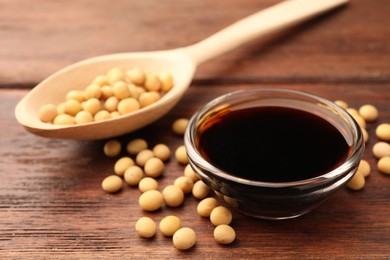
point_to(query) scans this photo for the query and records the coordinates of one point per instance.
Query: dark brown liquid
(272, 144)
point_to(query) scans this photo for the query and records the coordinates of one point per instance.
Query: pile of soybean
(142, 168)
(365, 115)
(116, 93)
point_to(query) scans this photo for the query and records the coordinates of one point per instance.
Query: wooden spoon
(180, 62)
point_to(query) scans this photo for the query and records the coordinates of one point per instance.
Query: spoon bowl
(181, 63)
(77, 76)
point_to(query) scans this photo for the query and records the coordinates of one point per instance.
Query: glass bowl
(275, 200)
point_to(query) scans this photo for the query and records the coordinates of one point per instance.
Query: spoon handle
(279, 16)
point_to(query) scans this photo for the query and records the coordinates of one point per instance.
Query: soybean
(181, 155)
(114, 114)
(83, 117)
(115, 74)
(136, 76)
(133, 91)
(184, 183)
(121, 90)
(365, 134)
(61, 108)
(143, 156)
(190, 173)
(184, 238)
(369, 112)
(112, 148)
(364, 168)
(147, 183)
(146, 227)
(162, 152)
(180, 125)
(169, 225)
(148, 98)
(101, 115)
(200, 190)
(359, 119)
(152, 82)
(111, 104)
(166, 81)
(381, 149)
(106, 92)
(341, 103)
(205, 206)
(47, 113)
(112, 183)
(101, 80)
(151, 200)
(92, 91)
(92, 105)
(75, 94)
(72, 107)
(154, 167)
(224, 234)
(221, 215)
(128, 105)
(352, 111)
(133, 175)
(64, 119)
(137, 145)
(357, 182)
(122, 165)
(384, 165)
(383, 132)
(173, 196)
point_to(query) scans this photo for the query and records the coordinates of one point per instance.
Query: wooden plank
(347, 45)
(52, 206)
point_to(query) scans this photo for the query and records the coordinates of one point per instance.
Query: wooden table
(51, 202)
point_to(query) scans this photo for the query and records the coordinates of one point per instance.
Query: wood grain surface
(51, 202)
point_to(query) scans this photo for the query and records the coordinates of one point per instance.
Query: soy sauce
(271, 144)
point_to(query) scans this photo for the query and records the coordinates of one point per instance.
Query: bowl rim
(351, 161)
